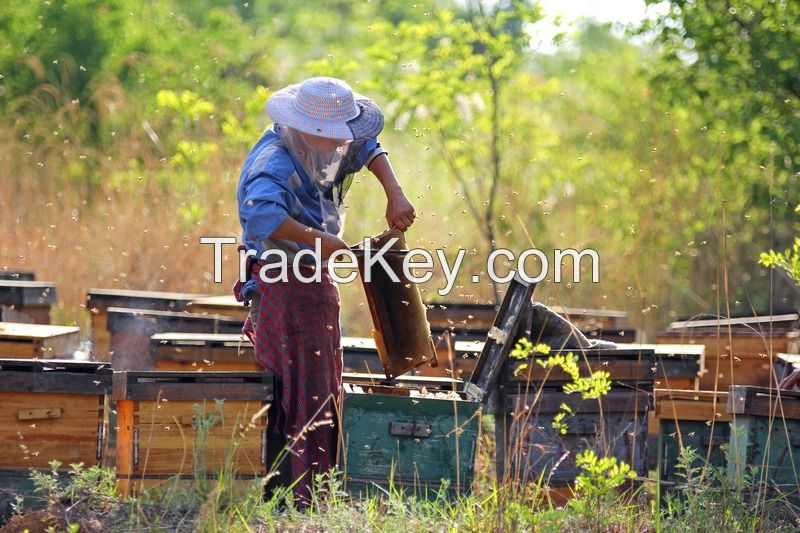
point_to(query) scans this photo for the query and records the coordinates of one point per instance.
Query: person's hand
(331, 243)
(791, 381)
(400, 213)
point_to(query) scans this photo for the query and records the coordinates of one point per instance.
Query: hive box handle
(410, 429)
(39, 414)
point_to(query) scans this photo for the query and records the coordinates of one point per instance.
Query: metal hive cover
(500, 339)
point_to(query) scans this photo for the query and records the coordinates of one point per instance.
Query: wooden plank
(761, 401)
(208, 366)
(762, 322)
(701, 409)
(102, 299)
(166, 412)
(738, 359)
(193, 386)
(22, 350)
(74, 383)
(416, 381)
(16, 331)
(124, 444)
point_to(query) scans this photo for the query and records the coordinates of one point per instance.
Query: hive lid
(500, 339)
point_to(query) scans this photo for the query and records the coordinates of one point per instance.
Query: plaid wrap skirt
(294, 328)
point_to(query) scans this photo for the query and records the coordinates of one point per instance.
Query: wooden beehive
(29, 341)
(741, 357)
(31, 298)
(696, 419)
(765, 436)
(50, 410)
(190, 425)
(131, 330)
(188, 352)
(678, 367)
(99, 300)
(530, 396)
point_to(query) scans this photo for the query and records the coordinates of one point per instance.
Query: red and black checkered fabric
(296, 336)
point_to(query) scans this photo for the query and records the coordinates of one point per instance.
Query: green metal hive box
(765, 436)
(420, 437)
(408, 442)
(696, 419)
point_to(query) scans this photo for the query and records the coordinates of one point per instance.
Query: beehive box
(530, 396)
(471, 321)
(614, 426)
(457, 359)
(31, 298)
(98, 301)
(49, 410)
(696, 419)
(677, 367)
(131, 330)
(219, 305)
(160, 416)
(733, 357)
(29, 341)
(765, 435)
(188, 352)
(419, 437)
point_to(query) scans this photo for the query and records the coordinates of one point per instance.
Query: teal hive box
(420, 438)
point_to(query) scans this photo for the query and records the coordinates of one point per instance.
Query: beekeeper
(291, 192)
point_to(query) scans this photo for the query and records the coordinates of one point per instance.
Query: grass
(88, 502)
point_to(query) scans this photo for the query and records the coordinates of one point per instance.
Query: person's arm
(399, 211)
(292, 230)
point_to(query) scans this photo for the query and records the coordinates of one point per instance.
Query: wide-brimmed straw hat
(326, 107)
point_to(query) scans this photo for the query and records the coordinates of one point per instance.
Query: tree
(736, 66)
(446, 76)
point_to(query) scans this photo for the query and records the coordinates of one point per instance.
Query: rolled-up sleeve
(265, 204)
(370, 151)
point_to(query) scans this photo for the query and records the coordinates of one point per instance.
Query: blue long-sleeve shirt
(273, 186)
